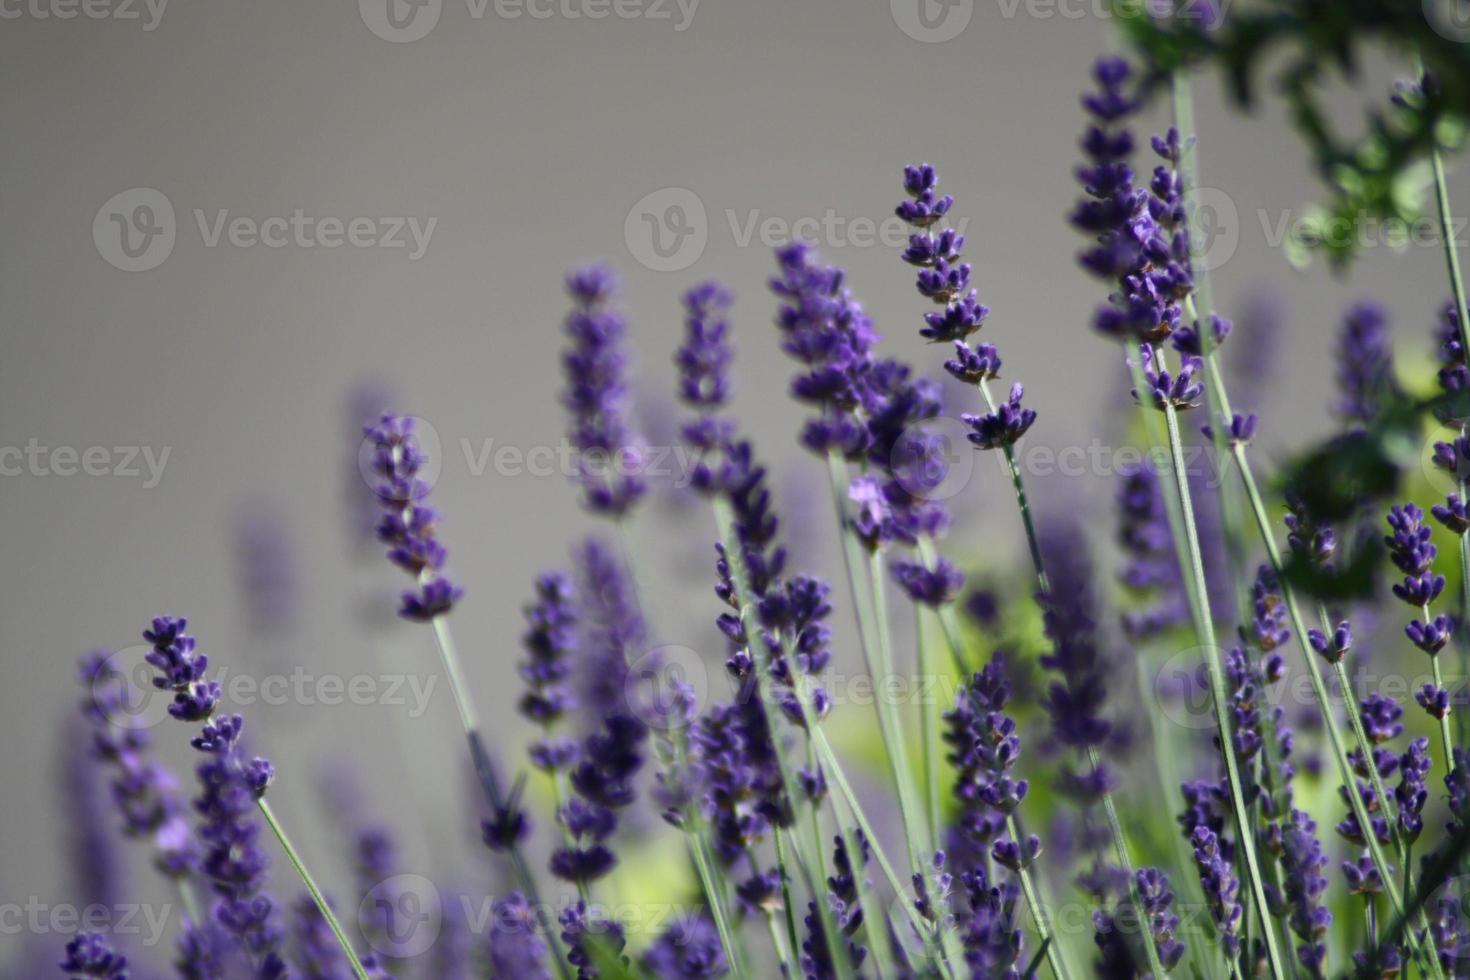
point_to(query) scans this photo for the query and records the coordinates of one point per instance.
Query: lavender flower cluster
(1285, 840)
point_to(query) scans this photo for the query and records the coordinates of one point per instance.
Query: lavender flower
(550, 642)
(145, 793)
(989, 930)
(230, 786)
(578, 922)
(1302, 862)
(515, 948)
(1158, 910)
(596, 368)
(689, 949)
(1002, 427)
(1180, 391)
(408, 525)
(90, 956)
(1411, 551)
(825, 330)
(1075, 699)
(704, 364)
(1150, 571)
(984, 749)
(1411, 793)
(613, 630)
(1221, 888)
(603, 780)
(1364, 365)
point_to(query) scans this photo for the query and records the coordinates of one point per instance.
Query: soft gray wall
(527, 141)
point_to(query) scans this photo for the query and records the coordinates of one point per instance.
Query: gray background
(529, 140)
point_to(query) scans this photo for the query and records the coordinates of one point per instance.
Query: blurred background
(228, 227)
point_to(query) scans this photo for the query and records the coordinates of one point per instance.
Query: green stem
(1033, 542)
(949, 620)
(892, 726)
(1038, 911)
(1120, 845)
(1205, 629)
(310, 883)
(485, 772)
(929, 732)
(1444, 722)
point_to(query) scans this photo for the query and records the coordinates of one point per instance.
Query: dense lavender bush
(1222, 787)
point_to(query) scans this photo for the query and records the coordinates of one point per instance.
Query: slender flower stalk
(408, 526)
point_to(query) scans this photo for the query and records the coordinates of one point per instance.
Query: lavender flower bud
(89, 955)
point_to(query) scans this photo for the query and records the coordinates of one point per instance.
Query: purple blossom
(689, 949)
(230, 787)
(704, 365)
(145, 793)
(1364, 363)
(1302, 889)
(929, 587)
(89, 955)
(1081, 668)
(1158, 909)
(1002, 427)
(1410, 550)
(550, 642)
(1411, 792)
(1150, 570)
(408, 525)
(515, 948)
(595, 364)
(1221, 889)
(1180, 391)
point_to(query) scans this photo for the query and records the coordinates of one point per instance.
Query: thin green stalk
(1120, 845)
(316, 893)
(1022, 502)
(1444, 721)
(1205, 628)
(892, 726)
(185, 891)
(788, 904)
(716, 901)
(839, 776)
(929, 730)
(1038, 911)
(1462, 313)
(1324, 703)
(949, 620)
(485, 772)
